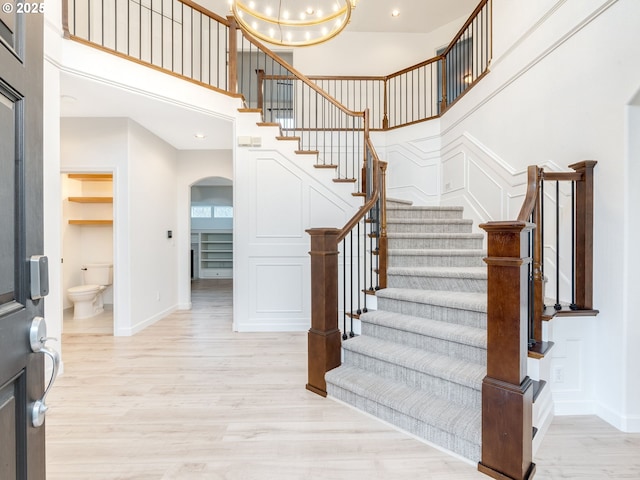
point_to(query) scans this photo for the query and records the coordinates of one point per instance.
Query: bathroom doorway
(211, 230)
(87, 253)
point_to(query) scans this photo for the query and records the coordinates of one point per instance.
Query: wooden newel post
(584, 234)
(233, 54)
(324, 340)
(507, 393)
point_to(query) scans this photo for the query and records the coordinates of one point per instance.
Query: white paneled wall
(277, 195)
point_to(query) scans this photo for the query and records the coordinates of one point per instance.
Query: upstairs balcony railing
(187, 40)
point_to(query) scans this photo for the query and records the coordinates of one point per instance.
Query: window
(201, 212)
(223, 212)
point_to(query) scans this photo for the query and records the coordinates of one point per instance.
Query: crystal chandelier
(293, 23)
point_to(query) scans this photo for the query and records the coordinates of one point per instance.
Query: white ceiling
(416, 16)
(178, 126)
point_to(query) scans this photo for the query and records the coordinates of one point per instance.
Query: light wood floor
(188, 399)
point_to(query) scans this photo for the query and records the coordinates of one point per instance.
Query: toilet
(87, 298)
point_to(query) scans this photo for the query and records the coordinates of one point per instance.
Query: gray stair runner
(421, 357)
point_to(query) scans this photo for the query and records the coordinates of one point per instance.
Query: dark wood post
(507, 393)
(584, 234)
(385, 117)
(260, 75)
(324, 336)
(233, 54)
(443, 102)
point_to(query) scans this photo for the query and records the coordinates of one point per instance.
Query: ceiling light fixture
(293, 23)
(200, 136)
(395, 13)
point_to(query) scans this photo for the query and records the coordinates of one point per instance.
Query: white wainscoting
(278, 194)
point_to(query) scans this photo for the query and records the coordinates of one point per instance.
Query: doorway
(87, 247)
(211, 230)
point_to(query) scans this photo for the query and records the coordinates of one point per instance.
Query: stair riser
(436, 283)
(454, 392)
(436, 243)
(410, 424)
(440, 346)
(435, 261)
(437, 312)
(417, 214)
(428, 227)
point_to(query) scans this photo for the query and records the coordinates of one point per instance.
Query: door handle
(38, 338)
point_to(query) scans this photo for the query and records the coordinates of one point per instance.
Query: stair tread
(473, 301)
(414, 208)
(430, 221)
(399, 201)
(478, 273)
(426, 407)
(476, 337)
(436, 365)
(444, 252)
(434, 235)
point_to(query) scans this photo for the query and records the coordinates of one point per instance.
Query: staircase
(421, 358)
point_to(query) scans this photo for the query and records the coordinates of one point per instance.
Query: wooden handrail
(199, 8)
(299, 75)
(457, 36)
(531, 197)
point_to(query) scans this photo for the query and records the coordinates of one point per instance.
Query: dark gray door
(21, 371)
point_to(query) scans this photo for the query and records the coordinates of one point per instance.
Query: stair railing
(515, 309)
(346, 265)
(302, 110)
(426, 90)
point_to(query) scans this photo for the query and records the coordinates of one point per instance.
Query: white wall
(632, 261)
(371, 53)
(277, 195)
(152, 213)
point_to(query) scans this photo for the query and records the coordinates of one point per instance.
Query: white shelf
(216, 254)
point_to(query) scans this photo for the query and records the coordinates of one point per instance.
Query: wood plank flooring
(188, 399)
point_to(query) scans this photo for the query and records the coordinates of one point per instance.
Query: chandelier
(293, 23)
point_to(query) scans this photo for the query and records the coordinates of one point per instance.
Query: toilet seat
(84, 289)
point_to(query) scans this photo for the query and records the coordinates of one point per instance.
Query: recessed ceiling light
(395, 13)
(200, 136)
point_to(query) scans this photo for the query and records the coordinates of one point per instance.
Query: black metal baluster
(344, 289)
(530, 287)
(359, 311)
(351, 287)
(557, 306)
(542, 240)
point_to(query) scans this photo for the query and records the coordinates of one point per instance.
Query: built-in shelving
(216, 254)
(90, 222)
(91, 199)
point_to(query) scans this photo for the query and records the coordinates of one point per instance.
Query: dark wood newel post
(584, 234)
(507, 393)
(324, 340)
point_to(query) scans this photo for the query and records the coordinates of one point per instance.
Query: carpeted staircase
(421, 357)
